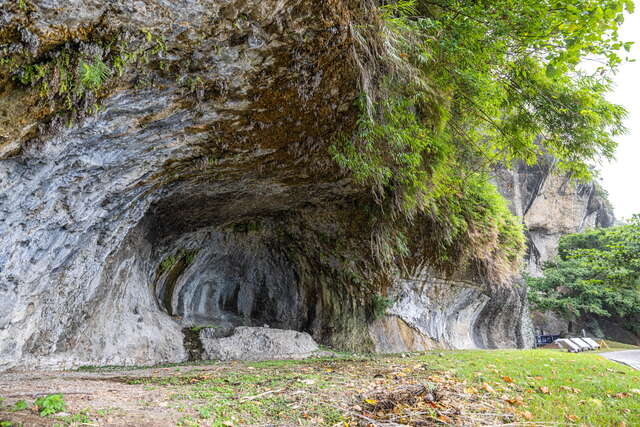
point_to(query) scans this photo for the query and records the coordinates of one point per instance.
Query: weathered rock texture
(258, 344)
(552, 204)
(200, 192)
(433, 313)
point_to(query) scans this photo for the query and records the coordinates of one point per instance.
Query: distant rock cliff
(431, 312)
(552, 204)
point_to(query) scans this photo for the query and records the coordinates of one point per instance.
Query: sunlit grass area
(514, 387)
(552, 386)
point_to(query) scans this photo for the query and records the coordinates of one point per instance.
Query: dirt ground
(101, 395)
(342, 391)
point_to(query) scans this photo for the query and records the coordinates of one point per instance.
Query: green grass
(545, 386)
(251, 395)
(537, 387)
(614, 346)
(601, 393)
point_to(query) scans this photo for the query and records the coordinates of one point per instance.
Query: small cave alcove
(228, 279)
(209, 270)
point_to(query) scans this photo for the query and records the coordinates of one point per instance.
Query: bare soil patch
(355, 391)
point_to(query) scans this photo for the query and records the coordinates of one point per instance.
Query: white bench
(593, 343)
(584, 342)
(568, 345)
(583, 345)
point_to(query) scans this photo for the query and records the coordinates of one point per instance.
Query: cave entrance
(228, 279)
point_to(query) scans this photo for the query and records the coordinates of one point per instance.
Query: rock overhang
(228, 124)
(201, 188)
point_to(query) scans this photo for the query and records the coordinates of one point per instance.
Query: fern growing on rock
(94, 74)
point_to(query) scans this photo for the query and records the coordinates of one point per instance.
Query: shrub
(94, 74)
(595, 273)
(50, 405)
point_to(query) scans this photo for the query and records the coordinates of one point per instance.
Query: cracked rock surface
(187, 190)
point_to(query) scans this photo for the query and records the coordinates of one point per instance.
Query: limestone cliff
(552, 205)
(164, 165)
(432, 313)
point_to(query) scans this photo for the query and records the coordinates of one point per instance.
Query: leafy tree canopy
(452, 88)
(596, 272)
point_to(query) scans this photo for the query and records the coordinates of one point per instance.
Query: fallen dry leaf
(572, 418)
(544, 390)
(527, 415)
(515, 401)
(507, 379)
(444, 419)
(570, 389)
(486, 387)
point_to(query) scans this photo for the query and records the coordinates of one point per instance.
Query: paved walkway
(628, 357)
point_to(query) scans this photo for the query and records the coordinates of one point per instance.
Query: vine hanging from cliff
(450, 88)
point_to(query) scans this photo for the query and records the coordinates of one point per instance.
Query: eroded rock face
(433, 313)
(89, 213)
(196, 193)
(552, 204)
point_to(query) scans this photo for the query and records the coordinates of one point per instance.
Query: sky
(621, 177)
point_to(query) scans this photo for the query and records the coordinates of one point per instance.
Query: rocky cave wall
(431, 313)
(197, 190)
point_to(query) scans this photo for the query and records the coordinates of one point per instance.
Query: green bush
(595, 273)
(94, 74)
(379, 305)
(20, 405)
(50, 405)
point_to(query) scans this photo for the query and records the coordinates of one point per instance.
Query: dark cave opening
(208, 272)
(228, 280)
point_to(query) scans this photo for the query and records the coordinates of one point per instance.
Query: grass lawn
(616, 346)
(553, 386)
(512, 387)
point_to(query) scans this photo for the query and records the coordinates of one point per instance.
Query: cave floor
(428, 389)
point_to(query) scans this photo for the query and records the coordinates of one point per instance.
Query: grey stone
(248, 343)
(456, 314)
(551, 205)
(89, 212)
(177, 207)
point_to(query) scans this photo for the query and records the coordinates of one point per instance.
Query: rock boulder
(249, 343)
